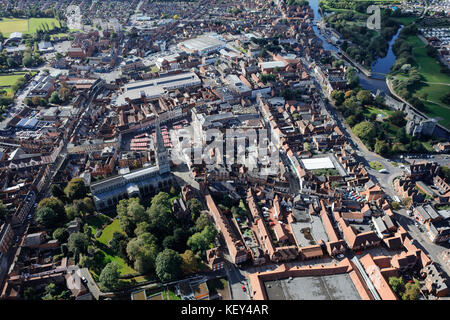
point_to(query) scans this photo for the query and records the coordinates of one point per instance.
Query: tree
(397, 284)
(3, 211)
(70, 212)
(168, 265)
(78, 242)
(131, 215)
(169, 242)
(445, 172)
(210, 233)
(364, 96)
(47, 217)
(398, 118)
(88, 205)
(195, 206)
(162, 220)
(412, 291)
(55, 204)
(143, 250)
(446, 98)
(118, 244)
(86, 261)
(197, 242)
(202, 221)
(109, 277)
(417, 103)
(338, 96)
(190, 263)
(76, 189)
(57, 191)
(382, 148)
(395, 205)
(365, 131)
(61, 235)
(54, 98)
(27, 60)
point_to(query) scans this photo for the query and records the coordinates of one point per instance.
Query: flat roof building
(202, 45)
(155, 88)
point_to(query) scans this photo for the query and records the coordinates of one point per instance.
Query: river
(380, 67)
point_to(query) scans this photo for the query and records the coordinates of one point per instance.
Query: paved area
(236, 280)
(334, 287)
(433, 250)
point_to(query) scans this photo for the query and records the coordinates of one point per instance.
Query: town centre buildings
(155, 88)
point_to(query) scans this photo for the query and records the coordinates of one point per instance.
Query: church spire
(162, 157)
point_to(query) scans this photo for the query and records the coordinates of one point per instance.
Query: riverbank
(433, 85)
(420, 113)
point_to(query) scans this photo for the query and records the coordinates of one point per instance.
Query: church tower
(162, 157)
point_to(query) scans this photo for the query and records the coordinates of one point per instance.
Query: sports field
(7, 25)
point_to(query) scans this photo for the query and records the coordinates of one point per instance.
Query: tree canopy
(168, 265)
(109, 277)
(76, 189)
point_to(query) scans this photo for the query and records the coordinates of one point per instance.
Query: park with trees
(138, 241)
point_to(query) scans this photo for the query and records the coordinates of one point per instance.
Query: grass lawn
(108, 232)
(429, 67)
(434, 82)
(7, 80)
(124, 268)
(441, 114)
(376, 165)
(170, 295)
(434, 92)
(405, 20)
(7, 26)
(374, 110)
(96, 222)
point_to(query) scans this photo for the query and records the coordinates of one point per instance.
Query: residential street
(434, 251)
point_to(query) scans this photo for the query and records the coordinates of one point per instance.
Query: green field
(108, 232)
(124, 268)
(7, 26)
(435, 84)
(374, 110)
(8, 80)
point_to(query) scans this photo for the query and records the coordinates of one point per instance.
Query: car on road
(416, 224)
(84, 280)
(383, 171)
(243, 288)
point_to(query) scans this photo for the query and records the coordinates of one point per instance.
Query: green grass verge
(376, 165)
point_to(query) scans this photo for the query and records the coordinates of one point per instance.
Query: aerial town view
(224, 150)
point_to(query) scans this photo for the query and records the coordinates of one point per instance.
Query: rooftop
(333, 287)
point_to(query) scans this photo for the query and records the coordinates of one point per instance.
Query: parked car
(243, 288)
(340, 256)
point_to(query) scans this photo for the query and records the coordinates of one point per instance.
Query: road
(434, 251)
(236, 280)
(366, 156)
